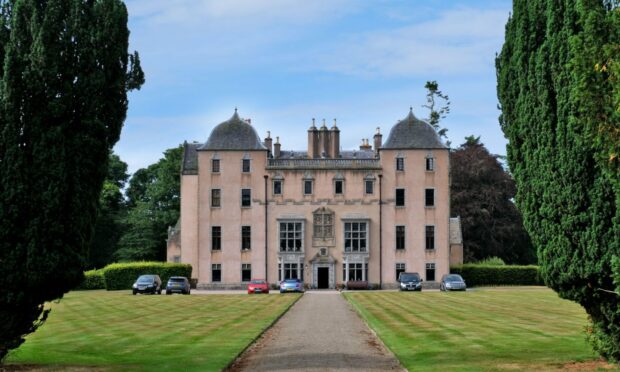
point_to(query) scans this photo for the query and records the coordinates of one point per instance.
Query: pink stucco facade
(324, 216)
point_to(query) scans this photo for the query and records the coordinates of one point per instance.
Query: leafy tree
(482, 193)
(111, 216)
(558, 112)
(436, 115)
(156, 196)
(63, 99)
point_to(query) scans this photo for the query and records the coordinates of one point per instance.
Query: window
(430, 198)
(215, 165)
(323, 222)
(216, 197)
(355, 237)
(246, 272)
(291, 237)
(277, 187)
(430, 272)
(338, 186)
(355, 272)
(216, 272)
(246, 197)
(400, 197)
(430, 237)
(400, 164)
(369, 187)
(400, 237)
(216, 238)
(400, 268)
(246, 237)
(430, 164)
(176, 259)
(307, 187)
(245, 166)
(290, 271)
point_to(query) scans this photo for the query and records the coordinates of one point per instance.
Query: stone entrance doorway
(323, 277)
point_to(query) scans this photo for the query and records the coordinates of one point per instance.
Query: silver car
(452, 282)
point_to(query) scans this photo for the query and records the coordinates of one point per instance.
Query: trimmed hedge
(93, 279)
(479, 275)
(123, 275)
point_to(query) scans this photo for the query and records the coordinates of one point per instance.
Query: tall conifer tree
(63, 99)
(553, 100)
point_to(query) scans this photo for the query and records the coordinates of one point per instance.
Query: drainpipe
(266, 266)
(380, 234)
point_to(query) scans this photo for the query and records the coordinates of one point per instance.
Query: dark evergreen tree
(156, 199)
(481, 194)
(554, 100)
(111, 216)
(63, 100)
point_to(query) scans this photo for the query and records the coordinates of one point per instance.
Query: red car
(258, 286)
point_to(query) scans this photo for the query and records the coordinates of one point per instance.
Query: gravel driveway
(320, 332)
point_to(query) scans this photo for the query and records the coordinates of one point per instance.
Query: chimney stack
(276, 148)
(335, 141)
(324, 141)
(365, 146)
(313, 141)
(268, 143)
(378, 138)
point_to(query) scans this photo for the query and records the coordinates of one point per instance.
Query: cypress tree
(552, 103)
(63, 99)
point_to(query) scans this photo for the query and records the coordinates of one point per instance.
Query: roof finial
(411, 109)
(235, 109)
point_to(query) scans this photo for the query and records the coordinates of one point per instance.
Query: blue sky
(284, 62)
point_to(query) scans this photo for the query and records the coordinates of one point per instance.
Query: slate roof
(413, 133)
(190, 158)
(233, 134)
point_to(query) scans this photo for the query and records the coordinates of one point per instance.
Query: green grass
(523, 328)
(118, 331)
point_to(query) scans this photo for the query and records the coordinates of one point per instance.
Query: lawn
(118, 331)
(525, 328)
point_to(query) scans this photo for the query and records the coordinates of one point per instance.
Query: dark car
(291, 285)
(452, 282)
(410, 282)
(147, 284)
(178, 284)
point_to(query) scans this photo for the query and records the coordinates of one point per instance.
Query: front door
(323, 277)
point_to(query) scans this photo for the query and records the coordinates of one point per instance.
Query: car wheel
(134, 293)
(168, 292)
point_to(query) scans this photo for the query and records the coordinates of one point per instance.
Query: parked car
(291, 285)
(452, 282)
(178, 284)
(410, 282)
(258, 286)
(147, 284)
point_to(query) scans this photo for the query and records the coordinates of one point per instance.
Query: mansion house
(252, 210)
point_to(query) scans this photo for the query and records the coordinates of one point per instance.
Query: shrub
(93, 279)
(123, 275)
(492, 261)
(477, 275)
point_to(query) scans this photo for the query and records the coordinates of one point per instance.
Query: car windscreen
(454, 278)
(291, 281)
(176, 280)
(145, 279)
(409, 278)
(257, 282)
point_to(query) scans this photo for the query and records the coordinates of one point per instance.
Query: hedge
(93, 279)
(123, 275)
(479, 275)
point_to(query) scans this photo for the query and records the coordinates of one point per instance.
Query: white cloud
(458, 41)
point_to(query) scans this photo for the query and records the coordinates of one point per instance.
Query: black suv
(147, 284)
(410, 282)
